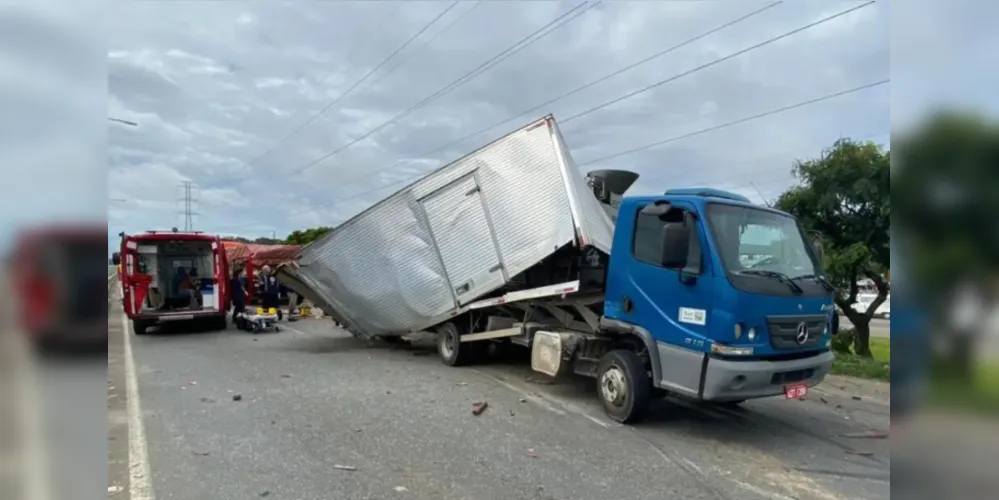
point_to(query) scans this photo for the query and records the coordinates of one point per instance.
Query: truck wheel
(452, 351)
(139, 327)
(623, 386)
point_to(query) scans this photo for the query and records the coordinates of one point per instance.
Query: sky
(246, 100)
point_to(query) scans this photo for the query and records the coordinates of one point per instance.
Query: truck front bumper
(701, 376)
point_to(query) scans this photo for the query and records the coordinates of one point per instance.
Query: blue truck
(693, 293)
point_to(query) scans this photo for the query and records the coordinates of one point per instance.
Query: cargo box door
(461, 229)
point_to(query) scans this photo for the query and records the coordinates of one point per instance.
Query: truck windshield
(752, 239)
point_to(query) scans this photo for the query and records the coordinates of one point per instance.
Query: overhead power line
(864, 137)
(555, 24)
(625, 152)
(717, 61)
(430, 40)
(604, 78)
(647, 88)
(356, 84)
(743, 120)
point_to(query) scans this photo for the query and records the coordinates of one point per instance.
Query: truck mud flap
(289, 276)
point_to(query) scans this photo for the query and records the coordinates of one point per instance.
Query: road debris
(522, 400)
(539, 381)
(531, 453)
(265, 493)
(400, 489)
(192, 382)
(461, 384)
(860, 453)
(824, 401)
(866, 435)
(349, 468)
(478, 407)
(200, 453)
(285, 376)
(237, 397)
(113, 490)
(207, 400)
(857, 398)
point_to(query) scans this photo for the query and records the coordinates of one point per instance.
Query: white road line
(140, 483)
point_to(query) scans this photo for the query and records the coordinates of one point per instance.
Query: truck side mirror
(676, 245)
(116, 258)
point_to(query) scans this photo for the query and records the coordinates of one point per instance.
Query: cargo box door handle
(495, 268)
(463, 289)
(472, 191)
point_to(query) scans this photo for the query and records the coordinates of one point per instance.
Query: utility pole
(189, 198)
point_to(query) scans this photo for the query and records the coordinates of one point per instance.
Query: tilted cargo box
(457, 235)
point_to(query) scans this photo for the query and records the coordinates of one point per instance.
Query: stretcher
(258, 320)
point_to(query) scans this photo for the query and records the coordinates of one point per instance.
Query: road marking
(140, 483)
(548, 401)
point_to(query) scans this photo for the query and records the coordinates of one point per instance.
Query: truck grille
(784, 331)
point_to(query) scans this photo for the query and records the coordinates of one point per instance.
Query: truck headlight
(731, 350)
(752, 334)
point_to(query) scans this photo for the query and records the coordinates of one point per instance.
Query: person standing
(236, 285)
(271, 292)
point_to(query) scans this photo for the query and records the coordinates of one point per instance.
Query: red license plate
(795, 391)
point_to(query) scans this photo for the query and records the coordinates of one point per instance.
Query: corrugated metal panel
(382, 271)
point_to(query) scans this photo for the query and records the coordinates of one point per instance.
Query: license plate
(795, 391)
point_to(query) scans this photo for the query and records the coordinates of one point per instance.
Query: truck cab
(727, 295)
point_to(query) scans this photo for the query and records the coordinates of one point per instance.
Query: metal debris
(237, 397)
(350, 468)
(478, 407)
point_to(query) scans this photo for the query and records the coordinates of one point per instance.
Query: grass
(980, 396)
(878, 368)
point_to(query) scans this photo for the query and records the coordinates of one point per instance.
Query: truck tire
(623, 386)
(139, 327)
(452, 351)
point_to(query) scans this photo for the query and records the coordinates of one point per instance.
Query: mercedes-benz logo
(801, 336)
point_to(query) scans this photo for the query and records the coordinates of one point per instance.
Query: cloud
(215, 85)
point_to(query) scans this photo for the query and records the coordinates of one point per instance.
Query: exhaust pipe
(609, 186)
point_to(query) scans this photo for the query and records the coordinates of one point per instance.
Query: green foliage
(875, 367)
(845, 196)
(299, 237)
(842, 342)
(947, 190)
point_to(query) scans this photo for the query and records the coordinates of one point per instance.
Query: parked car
(864, 301)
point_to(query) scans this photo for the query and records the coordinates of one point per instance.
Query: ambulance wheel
(623, 386)
(452, 351)
(139, 327)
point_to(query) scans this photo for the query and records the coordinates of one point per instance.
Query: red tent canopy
(272, 255)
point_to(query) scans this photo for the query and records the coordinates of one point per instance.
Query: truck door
(463, 235)
(672, 302)
(131, 297)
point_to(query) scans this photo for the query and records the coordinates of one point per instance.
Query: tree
(299, 237)
(947, 190)
(844, 196)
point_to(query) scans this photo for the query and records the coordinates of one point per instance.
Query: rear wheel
(623, 386)
(139, 327)
(454, 352)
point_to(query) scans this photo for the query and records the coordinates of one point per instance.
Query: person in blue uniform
(270, 291)
(238, 290)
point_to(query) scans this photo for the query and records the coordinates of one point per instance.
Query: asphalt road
(321, 415)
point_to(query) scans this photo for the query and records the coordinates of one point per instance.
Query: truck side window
(647, 244)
